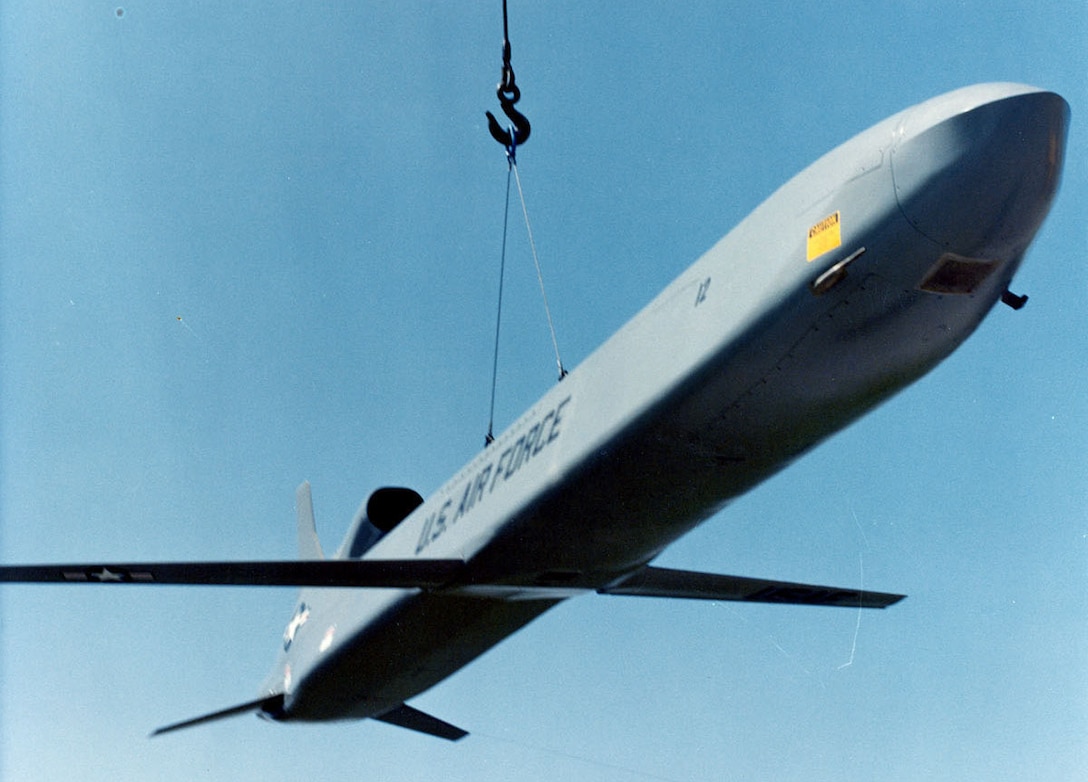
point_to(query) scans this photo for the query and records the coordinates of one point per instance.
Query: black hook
(509, 94)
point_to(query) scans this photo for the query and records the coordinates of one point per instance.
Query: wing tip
(650, 581)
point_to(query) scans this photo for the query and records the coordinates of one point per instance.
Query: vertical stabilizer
(309, 547)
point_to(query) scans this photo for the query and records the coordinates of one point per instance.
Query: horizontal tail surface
(270, 703)
(404, 716)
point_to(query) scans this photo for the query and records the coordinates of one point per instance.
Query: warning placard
(825, 236)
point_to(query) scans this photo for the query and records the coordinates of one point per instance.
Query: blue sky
(247, 244)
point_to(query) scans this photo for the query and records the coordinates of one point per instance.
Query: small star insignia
(105, 574)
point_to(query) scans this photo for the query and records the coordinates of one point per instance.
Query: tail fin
(309, 547)
(404, 716)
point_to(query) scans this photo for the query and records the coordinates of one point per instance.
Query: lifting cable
(510, 137)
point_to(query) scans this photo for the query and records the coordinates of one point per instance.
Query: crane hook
(509, 94)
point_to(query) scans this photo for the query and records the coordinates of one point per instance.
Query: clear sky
(246, 244)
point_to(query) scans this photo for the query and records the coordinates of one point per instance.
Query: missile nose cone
(976, 170)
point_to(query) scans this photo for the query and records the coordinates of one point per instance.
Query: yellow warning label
(825, 236)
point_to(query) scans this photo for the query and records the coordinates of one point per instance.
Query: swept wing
(448, 575)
